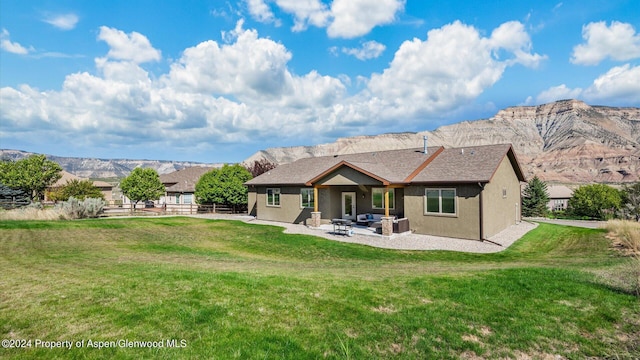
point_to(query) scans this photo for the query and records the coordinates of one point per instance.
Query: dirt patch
(384, 309)
(471, 338)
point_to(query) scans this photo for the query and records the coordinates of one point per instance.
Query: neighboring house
(559, 196)
(471, 192)
(180, 185)
(105, 187)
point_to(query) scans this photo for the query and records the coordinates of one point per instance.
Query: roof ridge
(424, 164)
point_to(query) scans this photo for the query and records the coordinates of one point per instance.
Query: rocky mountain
(565, 141)
(105, 168)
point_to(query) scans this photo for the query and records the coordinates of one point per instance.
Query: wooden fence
(178, 209)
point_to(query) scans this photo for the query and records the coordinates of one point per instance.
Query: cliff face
(105, 168)
(564, 141)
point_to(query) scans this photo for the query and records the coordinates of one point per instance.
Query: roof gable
(346, 178)
(468, 164)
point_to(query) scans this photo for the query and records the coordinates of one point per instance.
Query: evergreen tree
(535, 198)
(12, 198)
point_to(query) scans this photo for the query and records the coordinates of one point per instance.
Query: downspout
(481, 215)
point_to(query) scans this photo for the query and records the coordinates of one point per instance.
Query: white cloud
(261, 12)
(62, 21)
(305, 12)
(343, 18)
(555, 93)
(451, 67)
(618, 41)
(353, 18)
(250, 67)
(242, 89)
(132, 47)
(620, 84)
(368, 50)
(235, 92)
(13, 47)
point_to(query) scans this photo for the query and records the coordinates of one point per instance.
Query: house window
(558, 204)
(440, 201)
(377, 198)
(187, 199)
(306, 198)
(273, 197)
(504, 192)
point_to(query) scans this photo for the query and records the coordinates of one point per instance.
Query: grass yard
(226, 289)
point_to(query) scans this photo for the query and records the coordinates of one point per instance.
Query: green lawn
(234, 290)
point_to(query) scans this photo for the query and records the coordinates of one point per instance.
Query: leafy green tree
(31, 175)
(597, 201)
(142, 185)
(535, 198)
(80, 189)
(631, 202)
(224, 186)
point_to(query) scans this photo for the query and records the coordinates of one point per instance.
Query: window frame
(310, 198)
(274, 192)
(440, 213)
(392, 203)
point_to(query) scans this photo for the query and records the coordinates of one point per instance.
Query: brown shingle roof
(468, 164)
(455, 165)
(392, 166)
(184, 180)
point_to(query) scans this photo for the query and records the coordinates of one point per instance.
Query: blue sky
(216, 81)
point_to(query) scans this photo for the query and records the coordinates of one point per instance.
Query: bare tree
(260, 167)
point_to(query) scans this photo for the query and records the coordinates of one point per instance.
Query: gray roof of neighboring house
(67, 176)
(559, 192)
(184, 180)
(474, 164)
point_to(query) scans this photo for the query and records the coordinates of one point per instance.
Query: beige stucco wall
(289, 210)
(329, 203)
(349, 177)
(465, 224)
(251, 201)
(499, 211)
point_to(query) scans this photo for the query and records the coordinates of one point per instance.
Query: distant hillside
(565, 141)
(106, 168)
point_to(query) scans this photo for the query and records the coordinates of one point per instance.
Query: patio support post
(315, 215)
(387, 221)
(386, 201)
(315, 199)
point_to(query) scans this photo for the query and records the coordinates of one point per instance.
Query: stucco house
(559, 196)
(180, 185)
(468, 192)
(105, 187)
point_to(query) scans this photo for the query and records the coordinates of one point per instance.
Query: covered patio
(358, 192)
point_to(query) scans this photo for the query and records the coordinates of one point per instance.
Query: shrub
(76, 209)
(626, 237)
(597, 201)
